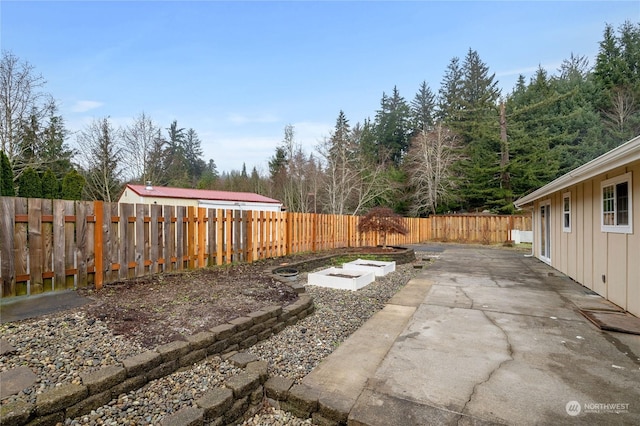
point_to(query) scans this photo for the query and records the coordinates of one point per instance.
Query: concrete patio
(482, 336)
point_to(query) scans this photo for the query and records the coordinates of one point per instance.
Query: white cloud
(84, 106)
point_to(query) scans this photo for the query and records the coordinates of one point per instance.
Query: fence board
(47, 245)
(69, 245)
(7, 242)
(36, 250)
(82, 233)
(155, 238)
(21, 251)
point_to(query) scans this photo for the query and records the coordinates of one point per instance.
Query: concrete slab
(24, 307)
(413, 293)
(497, 340)
(14, 380)
(340, 378)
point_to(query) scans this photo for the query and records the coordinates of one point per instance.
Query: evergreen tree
(617, 77)
(54, 153)
(474, 116)
(30, 184)
(176, 165)
(393, 127)
(450, 93)
(6, 176)
(423, 109)
(193, 152)
(50, 187)
(72, 185)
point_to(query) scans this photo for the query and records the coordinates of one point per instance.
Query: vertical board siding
(48, 245)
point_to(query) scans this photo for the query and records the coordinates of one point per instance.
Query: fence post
(97, 238)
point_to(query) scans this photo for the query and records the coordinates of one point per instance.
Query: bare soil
(158, 309)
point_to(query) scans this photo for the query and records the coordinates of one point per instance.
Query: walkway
(483, 336)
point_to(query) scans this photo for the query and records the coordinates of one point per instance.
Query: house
(147, 194)
(586, 224)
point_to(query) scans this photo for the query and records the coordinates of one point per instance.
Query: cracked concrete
(498, 340)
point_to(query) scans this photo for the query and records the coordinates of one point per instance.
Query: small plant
(384, 221)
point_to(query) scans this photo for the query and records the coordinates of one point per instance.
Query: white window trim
(620, 229)
(566, 195)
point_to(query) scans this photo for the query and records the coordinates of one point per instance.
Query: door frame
(544, 245)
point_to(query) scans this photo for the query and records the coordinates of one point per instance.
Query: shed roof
(200, 194)
(617, 157)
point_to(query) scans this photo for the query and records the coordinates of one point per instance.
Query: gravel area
(60, 347)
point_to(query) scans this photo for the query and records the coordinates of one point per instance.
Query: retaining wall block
(103, 379)
(16, 413)
(218, 347)
(265, 335)
(243, 384)
(259, 316)
(215, 402)
(52, 419)
(223, 331)
(132, 383)
(241, 359)
(256, 396)
(173, 350)
(242, 323)
(278, 387)
(261, 368)
(141, 363)
(192, 357)
(190, 416)
(59, 398)
(86, 405)
(201, 340)
(249, 341)
(302, 401)
(162, 370)
(236, 411)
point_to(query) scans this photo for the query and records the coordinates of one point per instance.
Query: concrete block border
(107, 383)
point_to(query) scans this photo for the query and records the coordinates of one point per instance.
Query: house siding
(586, 254)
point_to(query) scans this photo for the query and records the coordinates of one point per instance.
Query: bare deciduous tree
(22, 104)
(352, 179)
(143, 146)
(429, 164)
(623, 107)
(101, 157)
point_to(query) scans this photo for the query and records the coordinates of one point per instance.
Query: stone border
(101, 386)
(408, 255)
(243, 393)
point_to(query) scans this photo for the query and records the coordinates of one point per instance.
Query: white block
(339, 278)
(378, 267)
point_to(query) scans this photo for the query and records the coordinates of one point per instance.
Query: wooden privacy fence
(482, 228)
(48, 245)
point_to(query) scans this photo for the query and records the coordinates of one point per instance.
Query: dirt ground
(161, 308)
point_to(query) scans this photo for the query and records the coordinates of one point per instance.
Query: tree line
(465, 147)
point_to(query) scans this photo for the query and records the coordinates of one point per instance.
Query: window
(616, 205)
(566, 212)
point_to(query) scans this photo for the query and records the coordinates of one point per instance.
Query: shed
(583, 224)
(148, 194)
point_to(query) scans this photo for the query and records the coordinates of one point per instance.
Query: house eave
(617, 157)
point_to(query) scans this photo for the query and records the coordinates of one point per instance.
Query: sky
(239, 72)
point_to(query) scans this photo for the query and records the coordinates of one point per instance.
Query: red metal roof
(200, 194)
